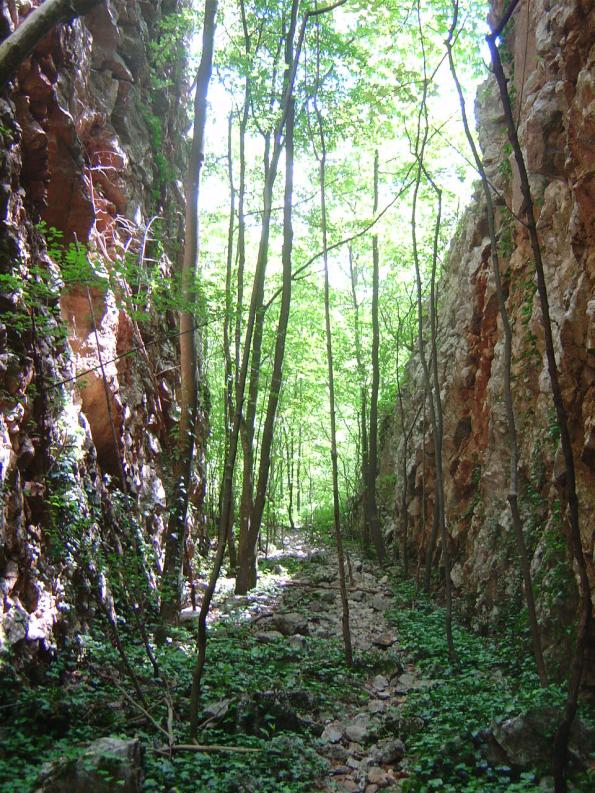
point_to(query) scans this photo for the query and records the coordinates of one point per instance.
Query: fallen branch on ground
(336, 588)
(197, 747)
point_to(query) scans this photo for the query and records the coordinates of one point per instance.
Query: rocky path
(355, 738)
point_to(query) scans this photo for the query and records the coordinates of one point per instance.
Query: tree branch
(22, 41)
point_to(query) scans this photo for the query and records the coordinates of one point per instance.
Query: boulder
(385, 640)
(268, 637)
(380, 683)
(377, 706)
(390, 752)
(332, 733)
(291, 623)
(525, 740)
(334, 751)
(380, 603)
(108, 765)
(359, 730)
(297, 642)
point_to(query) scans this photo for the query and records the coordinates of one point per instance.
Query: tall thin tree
(321, 156)
(513, 487)
(171, 586)
(372, 473)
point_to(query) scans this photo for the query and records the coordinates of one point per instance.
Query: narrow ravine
(391, 723)
(354, 734)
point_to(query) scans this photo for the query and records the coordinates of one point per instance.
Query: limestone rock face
(554, 75)
(87, 396)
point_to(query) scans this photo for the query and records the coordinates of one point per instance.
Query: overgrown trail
(297, 604)
(403, 718)
(280, 710)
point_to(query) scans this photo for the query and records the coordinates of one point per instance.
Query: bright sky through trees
(372, 67)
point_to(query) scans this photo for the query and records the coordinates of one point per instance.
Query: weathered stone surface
(360, 729)
(390, 751)
(380, 683)
(76, 152)
(109, 765)
(385, 640)
(553, 73)
(377, 776)
(376, 706)
(525, 740)
(333, 732)
(268, 637)
(290, 624)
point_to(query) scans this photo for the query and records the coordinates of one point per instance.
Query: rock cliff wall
(553, 74)
(87, 398)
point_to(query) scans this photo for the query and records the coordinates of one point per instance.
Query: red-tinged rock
(35, 84)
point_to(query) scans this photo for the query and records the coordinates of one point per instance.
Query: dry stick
(143, 710)
(513, 492)
(20, 44)
(197, 747)
(560, 749)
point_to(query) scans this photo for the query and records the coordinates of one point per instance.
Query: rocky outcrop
(553, 74)
(109, 765)
(87, 396)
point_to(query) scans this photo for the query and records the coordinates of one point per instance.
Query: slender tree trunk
(289, 447)
(246, 577)
(226, 496)
(260, 271)
(331, 385)
(405, 435)
(17, 47)
(171, 585)
(513, 492)
(433, 389)
(363, 417)
(562, 737)
(298, 474)
(229, 375)
(375, 530)
(247, 569)
(436, 403)
(247, 546)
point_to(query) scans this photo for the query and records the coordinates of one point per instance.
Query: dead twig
(142, 710)
(336, 588)
(197, 747)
